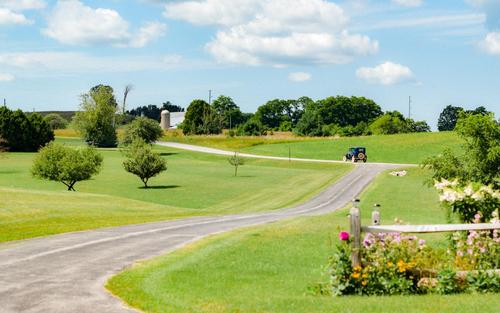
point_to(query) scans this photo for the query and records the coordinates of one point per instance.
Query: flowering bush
(393, 263)
(477, 250)
(469, 200)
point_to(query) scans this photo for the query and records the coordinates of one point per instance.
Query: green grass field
(400, 148)
(269, 268)
(194, 184)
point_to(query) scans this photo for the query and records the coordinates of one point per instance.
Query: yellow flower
(390, 264)
(357, 268)
(355, 275)
(364, 275)
(401, 263)
(363, 283)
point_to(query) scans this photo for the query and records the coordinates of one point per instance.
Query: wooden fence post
(355, 218)
(376, 215)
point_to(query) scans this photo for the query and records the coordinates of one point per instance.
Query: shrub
(143, 162)
(467, 201)
(142, 128)
(25, 132)
(252, 127)
(59, 163)
(200, 119)
(56, 121)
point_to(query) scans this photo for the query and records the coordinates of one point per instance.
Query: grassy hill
(269, 268)
(400, 148)
(194, 184)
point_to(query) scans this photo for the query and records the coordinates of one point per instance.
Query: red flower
(344, 236)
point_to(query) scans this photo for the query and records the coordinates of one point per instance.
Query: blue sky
(437, 52)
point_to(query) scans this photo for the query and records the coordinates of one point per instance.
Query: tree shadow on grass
(168, 153)
(160, 187)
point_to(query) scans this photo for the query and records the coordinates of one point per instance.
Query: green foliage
(56, 121)
(344, 111)
(310, 124)
(448, 283)
(59, 163)
(483, 281)
(143, 162)
(480, 161)
(252, 127)
(96, 119)
(153, 112)
(236, 161)
(228, 113)
(142, 128)
(389, 123)
(23, 131)
(448, 118)
(200, 119)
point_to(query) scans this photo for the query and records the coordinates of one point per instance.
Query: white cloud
(299, 77)
(8, 17)
(68, 63)
(491, 43)
(409, 3)
(4, 77)
(20, 5)
(71, 22)
(387, 73)
(277, 32)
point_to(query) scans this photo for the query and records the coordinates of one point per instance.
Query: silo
(165, 120)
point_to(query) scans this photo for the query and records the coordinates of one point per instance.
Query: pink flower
(421, 242)
(344, 236)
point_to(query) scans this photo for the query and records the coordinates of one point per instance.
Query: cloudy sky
(438, 52)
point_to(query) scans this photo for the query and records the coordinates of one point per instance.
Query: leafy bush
(142, 128)
(200, 119)
(252, 127)
(143, 162)
(467, 201)
(25, 132)
(59, 163)
(56, 121)
(236, 161)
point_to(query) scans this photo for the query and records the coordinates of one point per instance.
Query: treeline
(342, 116)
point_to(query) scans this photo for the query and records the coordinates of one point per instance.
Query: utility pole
(4, 103)
(409, 107)
(210, 97)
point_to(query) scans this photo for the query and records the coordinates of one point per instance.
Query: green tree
(389, 123)
(252, 127)
(310, 124)
(200, 119)
(228, 113)
(480, 161)
(25, 132)
(142, 128)
(56, 121)
(59, 163)
(344, 111)
(448, 118)
(274, 113)
(236, 161)
(143, 162)
(96, 119)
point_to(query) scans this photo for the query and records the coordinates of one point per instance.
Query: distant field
(269, 268)
(401, 148)
(194, 184)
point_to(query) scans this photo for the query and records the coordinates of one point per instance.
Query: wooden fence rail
(357, 229)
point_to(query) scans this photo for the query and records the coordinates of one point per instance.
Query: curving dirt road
(67, 272)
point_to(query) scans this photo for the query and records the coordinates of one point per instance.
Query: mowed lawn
(401, 148)
(269, 268)
(194, 184)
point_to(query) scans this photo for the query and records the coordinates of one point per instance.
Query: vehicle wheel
(344, 158)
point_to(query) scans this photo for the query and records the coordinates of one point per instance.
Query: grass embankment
(269, 268)
(194, 184)
(400, 148)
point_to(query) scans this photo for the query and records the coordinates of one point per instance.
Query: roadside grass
(269, 268)
(195, 184)
(400, 148)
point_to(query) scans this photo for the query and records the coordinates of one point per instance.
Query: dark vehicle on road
(356, 154)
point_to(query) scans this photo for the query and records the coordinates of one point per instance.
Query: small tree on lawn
(142, 128)
(236, 161)
(59, 163)
(143, 162)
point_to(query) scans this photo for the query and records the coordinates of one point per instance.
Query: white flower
(478, 196)
(487, 189)
(469, 191)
